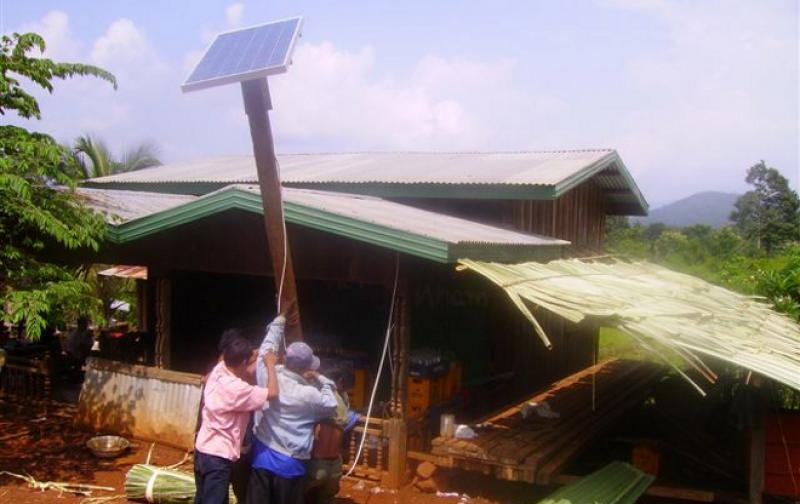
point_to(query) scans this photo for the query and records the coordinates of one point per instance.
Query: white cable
(285, 250)
(285, 257)
(380, 369)
(392, 347)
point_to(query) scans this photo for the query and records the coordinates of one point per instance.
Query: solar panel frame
(264, 71)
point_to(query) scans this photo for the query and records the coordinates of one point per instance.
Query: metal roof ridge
(149, 194)
(304, 190)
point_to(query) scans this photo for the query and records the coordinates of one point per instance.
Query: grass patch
(615, 344)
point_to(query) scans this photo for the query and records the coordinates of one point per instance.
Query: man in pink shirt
(228, 401)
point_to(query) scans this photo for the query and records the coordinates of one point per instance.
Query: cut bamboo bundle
(162, 485)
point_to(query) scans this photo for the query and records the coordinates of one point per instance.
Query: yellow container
(422, 394)
(358, 396)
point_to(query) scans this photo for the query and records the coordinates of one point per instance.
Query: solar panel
(245, 54)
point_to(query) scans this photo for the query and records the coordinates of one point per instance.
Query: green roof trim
(611, 160)
(401, 241)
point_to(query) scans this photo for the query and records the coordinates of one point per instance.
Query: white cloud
(122, 43)
(720, 96)
(54, 27)
(334, 95)
(233, 14)
(715, 91)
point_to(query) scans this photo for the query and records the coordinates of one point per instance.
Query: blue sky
(691, 93)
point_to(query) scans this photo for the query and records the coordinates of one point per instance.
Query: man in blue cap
(284, 431)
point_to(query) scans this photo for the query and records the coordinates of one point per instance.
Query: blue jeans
(212, 475)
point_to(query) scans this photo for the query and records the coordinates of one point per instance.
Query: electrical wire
(380, 368)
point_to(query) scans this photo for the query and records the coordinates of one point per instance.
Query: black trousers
(266, 487)
(212, 475)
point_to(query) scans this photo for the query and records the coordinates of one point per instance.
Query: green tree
(96, 159)
(39, 209)
(769, 214)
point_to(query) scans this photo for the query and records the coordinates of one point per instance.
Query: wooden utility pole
(257, 105)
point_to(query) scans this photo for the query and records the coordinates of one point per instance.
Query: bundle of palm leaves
(666, 312)
(161, 485)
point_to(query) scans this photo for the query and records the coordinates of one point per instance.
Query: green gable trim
(584, 175)
(367, 232)
(182, 214)
(608, 161)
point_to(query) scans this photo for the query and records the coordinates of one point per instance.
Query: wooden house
(353, 221)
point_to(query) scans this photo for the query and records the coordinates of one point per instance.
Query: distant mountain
(711, 208)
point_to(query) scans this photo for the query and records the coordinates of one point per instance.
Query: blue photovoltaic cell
(246, 53)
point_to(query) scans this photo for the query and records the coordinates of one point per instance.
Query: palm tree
(96, 159)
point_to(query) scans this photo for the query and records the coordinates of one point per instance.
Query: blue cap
(300, 356)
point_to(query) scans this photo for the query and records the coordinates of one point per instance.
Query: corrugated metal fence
(139, 401)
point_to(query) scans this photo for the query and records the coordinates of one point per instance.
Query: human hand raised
(270, 359)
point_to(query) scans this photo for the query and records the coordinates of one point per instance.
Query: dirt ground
(49, 448)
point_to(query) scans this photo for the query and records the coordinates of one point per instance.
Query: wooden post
(402, 340)
(163, 322)
(142, 302)
(257, 105)
(395, 429)
(757, 442)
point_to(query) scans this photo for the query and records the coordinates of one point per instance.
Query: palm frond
(144, 155)
(96, 151)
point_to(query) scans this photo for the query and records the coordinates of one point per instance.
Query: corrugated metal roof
(122, 206)
(365, 218)
(407, 218)
(518, 168)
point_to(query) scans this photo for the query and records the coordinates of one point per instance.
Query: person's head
(300, 358)
(238, 353)
(341, 374)
(83, 323)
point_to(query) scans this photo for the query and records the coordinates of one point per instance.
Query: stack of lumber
(535, 450)
(616, 483)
